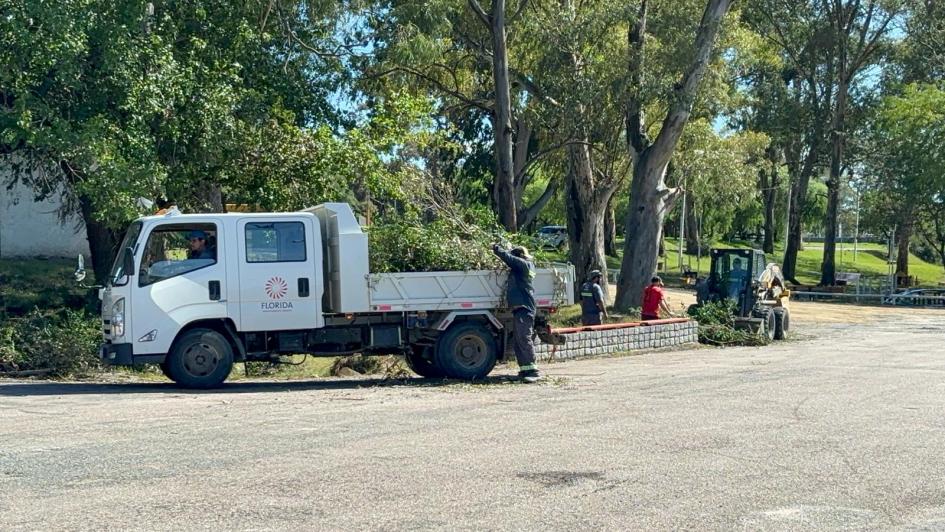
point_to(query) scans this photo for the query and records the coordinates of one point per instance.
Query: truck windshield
(131, 238)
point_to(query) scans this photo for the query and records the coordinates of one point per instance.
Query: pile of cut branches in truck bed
(460, 241)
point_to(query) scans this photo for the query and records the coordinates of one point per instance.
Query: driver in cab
(736, 279)
(198, 246)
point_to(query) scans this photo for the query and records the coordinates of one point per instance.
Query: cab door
(278, 288)
(181, 278)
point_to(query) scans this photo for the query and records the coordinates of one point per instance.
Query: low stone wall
(586, 341)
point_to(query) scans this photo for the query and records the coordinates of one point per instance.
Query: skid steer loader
(756, 287)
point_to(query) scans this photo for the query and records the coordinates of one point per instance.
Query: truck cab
(196, 292)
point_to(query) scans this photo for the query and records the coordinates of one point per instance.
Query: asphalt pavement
(841, 429)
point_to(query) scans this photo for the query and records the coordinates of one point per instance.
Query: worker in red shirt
(653, 300)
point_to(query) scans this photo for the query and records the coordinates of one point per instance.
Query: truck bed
(464, 290)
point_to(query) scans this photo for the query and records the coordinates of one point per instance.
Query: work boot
(529, 376)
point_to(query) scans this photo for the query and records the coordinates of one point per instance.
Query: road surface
(844, 430)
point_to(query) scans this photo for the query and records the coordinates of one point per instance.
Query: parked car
(553, 236)
(923, 297)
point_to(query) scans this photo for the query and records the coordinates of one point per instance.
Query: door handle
(214, 287)
(303, 287)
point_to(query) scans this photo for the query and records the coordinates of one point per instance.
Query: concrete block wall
(602, 342)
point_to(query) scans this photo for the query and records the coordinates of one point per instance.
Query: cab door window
(275, 242)
(176, 249)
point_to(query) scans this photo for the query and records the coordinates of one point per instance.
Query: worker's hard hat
(593, 274)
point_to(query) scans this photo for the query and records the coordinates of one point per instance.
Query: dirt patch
(811, 312)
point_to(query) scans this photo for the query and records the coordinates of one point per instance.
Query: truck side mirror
(80, 270)
(128, 262)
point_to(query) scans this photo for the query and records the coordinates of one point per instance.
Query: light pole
(682, 233)
(856, 225)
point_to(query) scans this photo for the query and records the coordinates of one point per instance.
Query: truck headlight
(118, 318)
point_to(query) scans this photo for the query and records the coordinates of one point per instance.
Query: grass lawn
(870, 261)
(45, 283)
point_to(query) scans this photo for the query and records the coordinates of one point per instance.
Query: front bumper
(117, 354)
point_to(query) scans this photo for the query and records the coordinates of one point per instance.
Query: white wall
(29, 228)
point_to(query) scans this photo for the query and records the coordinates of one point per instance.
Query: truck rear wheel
(200, 358)
(420, 360)
(467, 350)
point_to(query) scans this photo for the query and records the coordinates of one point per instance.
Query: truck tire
(782, 323)
(467, 350)
(200, 358)
(165, 369)
(420, 360)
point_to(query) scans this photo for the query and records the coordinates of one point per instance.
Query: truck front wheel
(200, 358)
(467, 351)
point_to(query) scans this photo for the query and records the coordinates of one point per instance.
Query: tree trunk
(693, 246)
(103, 242)
(769, 182)
(903, 238)
(644, 231)
(502, 120)
(527, 216)
(610, 232)
(828, 271)
(649, 197)
(586, 211)
(800, 181)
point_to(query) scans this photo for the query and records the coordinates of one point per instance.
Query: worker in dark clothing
(521, 299)
(593, 308)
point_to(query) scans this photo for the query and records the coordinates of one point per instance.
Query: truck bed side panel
(478, 289)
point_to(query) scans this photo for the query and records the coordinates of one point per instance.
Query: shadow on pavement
(24, 389)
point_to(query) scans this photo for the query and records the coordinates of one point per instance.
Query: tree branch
(636, 126)
(477, 9)
(685, 92)
(528, 215)
(518, 11)
(454, 92)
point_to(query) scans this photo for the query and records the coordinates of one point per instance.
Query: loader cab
(733, 275)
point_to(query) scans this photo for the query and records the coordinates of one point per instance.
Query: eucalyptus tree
(650, 198)
(855, 32)
(906, 166)
(573, 46)
(469, 60)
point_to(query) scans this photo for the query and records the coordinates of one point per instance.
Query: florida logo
(276, 288)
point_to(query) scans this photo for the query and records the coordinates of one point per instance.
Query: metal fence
(904, 299)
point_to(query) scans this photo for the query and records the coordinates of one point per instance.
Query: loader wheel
(782, 323)
(467, 350)
(769, 325)
(420, 360)
(200, 358)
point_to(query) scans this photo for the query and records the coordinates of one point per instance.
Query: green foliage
(717, 325)
(62, 343)
(720, 173)
(460, 240)
(110, 101)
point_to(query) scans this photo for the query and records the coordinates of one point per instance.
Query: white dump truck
(196, 292)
